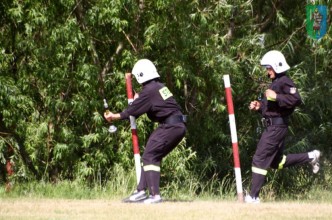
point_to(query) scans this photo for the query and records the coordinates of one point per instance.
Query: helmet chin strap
(280, 74)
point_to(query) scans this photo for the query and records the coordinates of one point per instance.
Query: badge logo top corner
(316, 20)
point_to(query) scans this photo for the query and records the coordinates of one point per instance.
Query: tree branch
(268, 20)
(108, 66)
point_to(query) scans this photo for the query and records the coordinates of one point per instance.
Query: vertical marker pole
(9, 169)
(10, 172)
(231, 116)
(134, 136)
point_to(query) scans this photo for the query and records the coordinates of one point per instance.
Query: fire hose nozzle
(112, 128)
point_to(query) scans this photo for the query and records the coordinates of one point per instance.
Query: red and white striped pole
(231, 116)
(10, 172)
(9, 169)
(134, 136)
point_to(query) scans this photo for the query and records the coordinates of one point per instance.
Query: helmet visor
(267, 66)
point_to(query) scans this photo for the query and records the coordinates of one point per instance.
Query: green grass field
(28, 208)
(74, 200)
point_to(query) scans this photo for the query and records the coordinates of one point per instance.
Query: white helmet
(276, 60)
(144, 70)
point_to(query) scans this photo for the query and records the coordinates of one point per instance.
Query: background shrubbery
(59, 59)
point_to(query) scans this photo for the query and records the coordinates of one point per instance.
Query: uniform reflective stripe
(258, 171)
(281, 164)
(151, 168)
(271, 99)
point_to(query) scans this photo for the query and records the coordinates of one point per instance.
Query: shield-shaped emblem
(292, 90)
(316, 22)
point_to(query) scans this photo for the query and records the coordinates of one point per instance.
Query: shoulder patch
(165, 93)
(292, 90)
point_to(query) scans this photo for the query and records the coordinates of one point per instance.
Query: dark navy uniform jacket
(156, 100)
(287, 99)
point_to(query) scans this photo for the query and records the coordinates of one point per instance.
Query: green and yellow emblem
(165, 93)
(316, 20)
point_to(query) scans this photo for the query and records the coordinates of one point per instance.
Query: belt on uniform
(274, 121)
(175, 119)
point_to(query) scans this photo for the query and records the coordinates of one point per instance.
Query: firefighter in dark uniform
(278, 104)
(158, 103)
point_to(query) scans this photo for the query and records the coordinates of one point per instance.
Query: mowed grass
(18, 208)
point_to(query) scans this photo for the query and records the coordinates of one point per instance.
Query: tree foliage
(59, 59)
